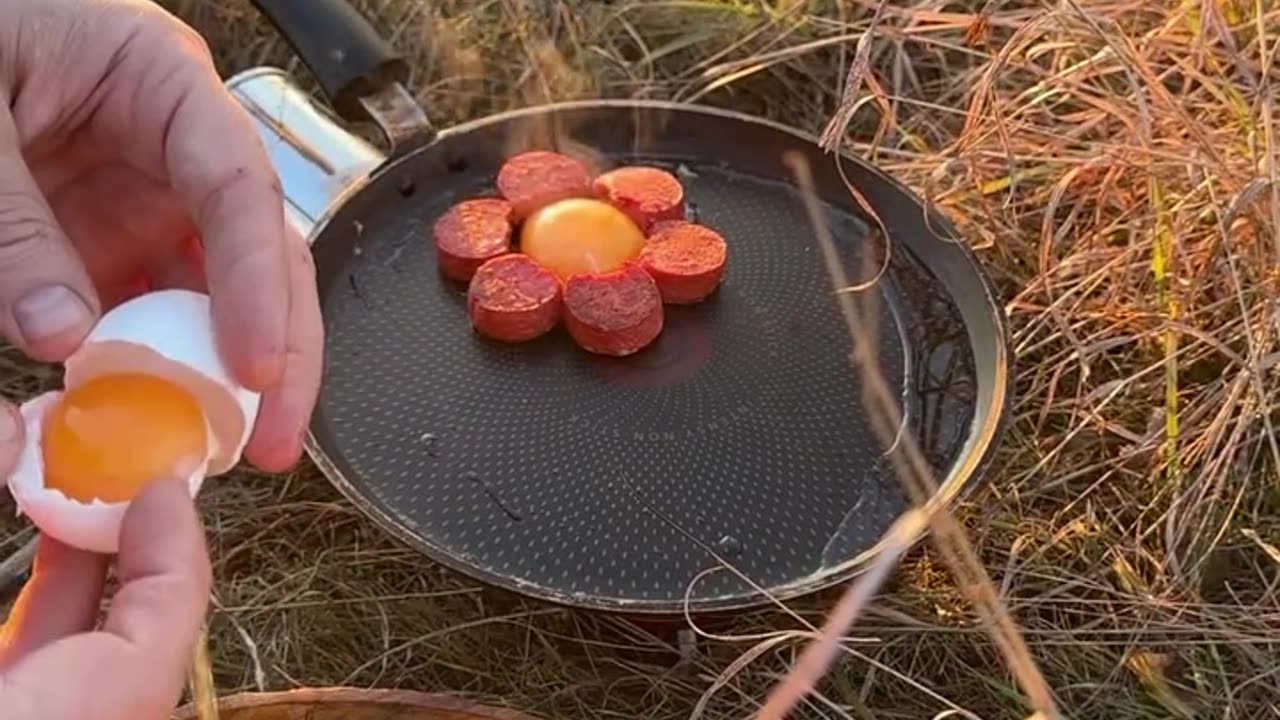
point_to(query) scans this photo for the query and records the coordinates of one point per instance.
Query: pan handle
(361, 75)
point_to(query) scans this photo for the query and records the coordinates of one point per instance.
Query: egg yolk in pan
(580, 236)
(110, 436)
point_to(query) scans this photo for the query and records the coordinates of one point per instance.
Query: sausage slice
(532, 180)
(470, 233)
(512, 298)
(646, 194)
(616, 313)
(686, 260)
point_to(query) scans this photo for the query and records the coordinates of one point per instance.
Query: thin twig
(14, 569)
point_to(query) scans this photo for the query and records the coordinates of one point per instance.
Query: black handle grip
(342, 50)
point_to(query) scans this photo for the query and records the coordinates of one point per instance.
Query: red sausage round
(686, 260)
(532, 180)
(616, 313)
(512, 298)
(470, 233)
(646, 194)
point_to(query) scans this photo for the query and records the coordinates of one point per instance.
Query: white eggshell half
(169, 334)
(95, 526)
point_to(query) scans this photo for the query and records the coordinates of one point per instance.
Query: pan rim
(969, 470)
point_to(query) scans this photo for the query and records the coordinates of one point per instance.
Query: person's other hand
(119, 147)
(57, 663)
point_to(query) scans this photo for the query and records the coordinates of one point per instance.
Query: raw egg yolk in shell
(579, 237)
(108, 438)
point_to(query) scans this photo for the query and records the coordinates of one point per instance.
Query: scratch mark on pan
(391, 261)
(705, 547)
(494, 497)
(355, 289)
(832, 546)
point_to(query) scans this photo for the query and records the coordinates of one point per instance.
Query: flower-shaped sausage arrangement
(603, 254)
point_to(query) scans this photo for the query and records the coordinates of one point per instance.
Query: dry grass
(1115, 165)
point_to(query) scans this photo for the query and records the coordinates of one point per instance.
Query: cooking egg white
(167, 334)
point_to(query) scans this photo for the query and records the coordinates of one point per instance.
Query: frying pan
(738, 439)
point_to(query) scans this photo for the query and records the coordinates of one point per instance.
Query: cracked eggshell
(93, 526)
(167, 334)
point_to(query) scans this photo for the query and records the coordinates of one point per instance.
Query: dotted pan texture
(740, 436)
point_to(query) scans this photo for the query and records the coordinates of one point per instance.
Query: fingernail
(49, 311)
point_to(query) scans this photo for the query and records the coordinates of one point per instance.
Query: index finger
(217, 164)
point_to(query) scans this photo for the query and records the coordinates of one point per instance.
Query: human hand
(119, 147)
(54, 665)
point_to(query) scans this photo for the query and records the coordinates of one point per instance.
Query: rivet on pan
(729, 545)
(430, 442)
(406, 187)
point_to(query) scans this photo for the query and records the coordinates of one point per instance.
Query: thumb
(164, 576)
(135, 667)
(164, 572)
(47, 302)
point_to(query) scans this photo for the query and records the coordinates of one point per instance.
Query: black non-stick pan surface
(740, 437)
